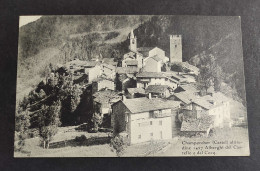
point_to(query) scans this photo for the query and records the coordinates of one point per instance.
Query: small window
(160, 122)
(151, 122)
(139, 137)
(151, 134)
(175, 45)
(139, 124)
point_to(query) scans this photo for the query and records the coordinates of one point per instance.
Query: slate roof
(182, 96)
(109, 66)
(138, 105)
(127, 70)
(101, 79)
(202, 102)
(189, 88)
(190, 67)
(145, 50)
(108, 60)
(156, 58)
(131, 62)
(90, 64)
(136, 90)
(106, 96)
(198, 125)
(174, 75)
(151, 74)
(131, 54)
(156, 88)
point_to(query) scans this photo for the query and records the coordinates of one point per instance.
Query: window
(151, 134)
(139, 137)
(160, 122)
(139, 124)
(151, 122)
(151, 114)
(175, 45)
(161, 134)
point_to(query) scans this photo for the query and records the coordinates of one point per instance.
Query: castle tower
(175, 48)
(133, 42)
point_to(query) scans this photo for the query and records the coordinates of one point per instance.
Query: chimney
(123, 98)
(149, 96)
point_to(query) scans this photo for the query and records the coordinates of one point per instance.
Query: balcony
(161, 114)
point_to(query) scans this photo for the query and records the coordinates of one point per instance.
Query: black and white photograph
(130, 86)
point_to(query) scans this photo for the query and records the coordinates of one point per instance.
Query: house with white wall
(144, 79)
(153, 64)
(144, 119)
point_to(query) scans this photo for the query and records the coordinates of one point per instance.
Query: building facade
(143, 119)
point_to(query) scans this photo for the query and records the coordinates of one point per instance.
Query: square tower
(175, 48)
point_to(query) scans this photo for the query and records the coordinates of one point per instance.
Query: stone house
(144, 119)
(196, 106)
(144, 79)
(135, 93)
(153, 51)
(161, 91)
(102, 101)
(108, 71)
(153, 64)
(102, 83)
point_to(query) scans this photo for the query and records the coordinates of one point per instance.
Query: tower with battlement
(133, 42)
(175, 48)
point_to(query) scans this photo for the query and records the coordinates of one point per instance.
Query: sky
(28, 19)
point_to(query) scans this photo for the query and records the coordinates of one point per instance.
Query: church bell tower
(133, 42)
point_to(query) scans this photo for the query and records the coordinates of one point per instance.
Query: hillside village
(145, 96)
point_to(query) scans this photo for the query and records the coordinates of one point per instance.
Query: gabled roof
(108, 60)
(136, 90)
(184, 97)
(109, 66)
(138, 105)
(156, 88)
(189, 88)
(127, 70)
(151, 74)
(190, 67)
(90, 64)
(101, 79)
(145, 50)
(202, 102)
(106, 96)
(156, 58)
(198, 125)
(131, 62)
(131, 54)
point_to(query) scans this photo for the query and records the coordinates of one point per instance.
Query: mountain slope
(86, 37)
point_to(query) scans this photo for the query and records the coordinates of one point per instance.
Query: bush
(80, 139)
(119, 144)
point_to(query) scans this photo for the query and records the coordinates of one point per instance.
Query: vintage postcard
(130, 86)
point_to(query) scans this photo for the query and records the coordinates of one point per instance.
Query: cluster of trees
(47, 107)
(210, 73)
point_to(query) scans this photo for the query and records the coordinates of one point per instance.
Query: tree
(22, 123)
(119, 144)
(97, 121)
(48, 122)
(177, 67)
(210, 73)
